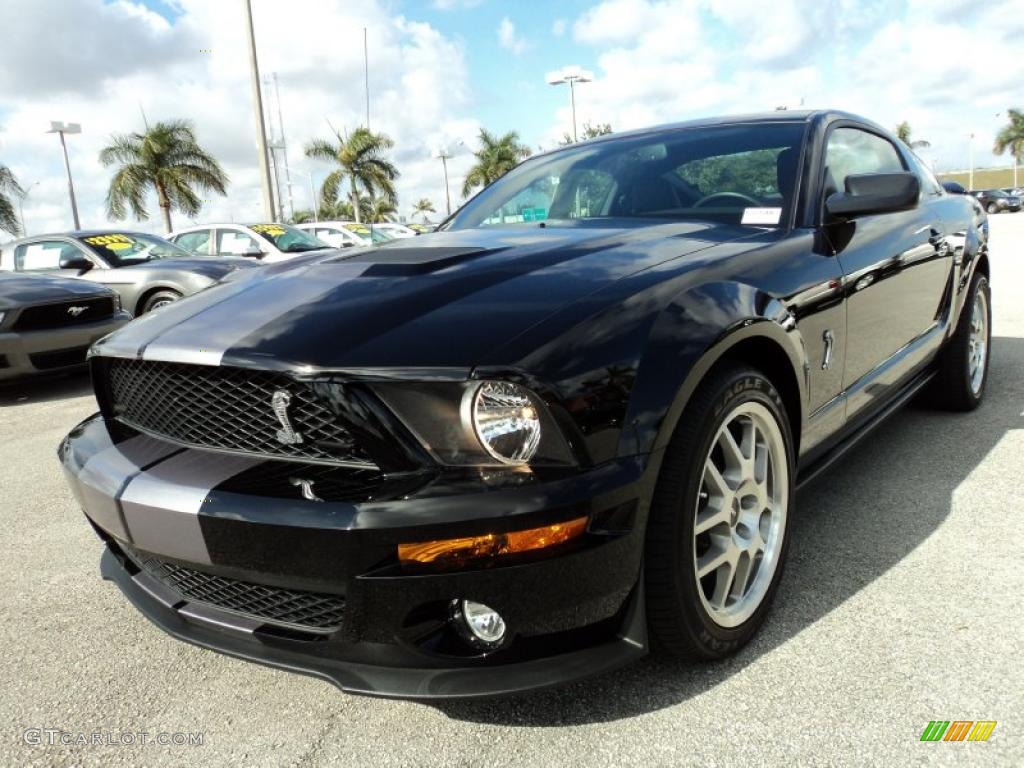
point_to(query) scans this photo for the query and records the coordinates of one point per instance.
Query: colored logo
(958, 730)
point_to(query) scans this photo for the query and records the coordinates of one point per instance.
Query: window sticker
(274, 230)
(761, 215)
(114, 242)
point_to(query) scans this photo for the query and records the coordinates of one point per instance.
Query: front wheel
(992, 208)
(159, 299)
(716, 537)
(960, 381)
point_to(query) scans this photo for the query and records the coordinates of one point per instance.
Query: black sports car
(508, 454)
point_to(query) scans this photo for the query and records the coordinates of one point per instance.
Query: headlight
(479, 423)
(1, 317)
(506, 421)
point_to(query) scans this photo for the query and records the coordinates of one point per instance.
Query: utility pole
(261, 131)
(565, 76)
(60, 129)
(284, 151)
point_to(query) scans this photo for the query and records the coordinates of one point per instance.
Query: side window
(234, 243)
(929, 184)
(333, 237)
(195, 242)
(42, 256)
(852, 151)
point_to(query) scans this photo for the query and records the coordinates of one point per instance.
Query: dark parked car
(997, 201)
(48, 323)
(506, 455)
(147, 271)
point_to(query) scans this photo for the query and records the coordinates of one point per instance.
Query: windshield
(120, 250)
(376, 236)
(288, 239)
(741, 174)
(996, 193)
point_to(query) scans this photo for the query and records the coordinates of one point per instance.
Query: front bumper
(53, 350)
(573, 611)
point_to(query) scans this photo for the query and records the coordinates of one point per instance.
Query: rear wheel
(159, 299)
(716, 537)
(992, 208)
(960, 382)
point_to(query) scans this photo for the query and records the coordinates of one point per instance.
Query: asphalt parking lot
(903, 602)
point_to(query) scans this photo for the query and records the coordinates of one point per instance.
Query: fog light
(480, 625)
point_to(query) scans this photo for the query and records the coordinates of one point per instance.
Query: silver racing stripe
(130, 340)
(104, 475)
(162, 505)
(203, 339)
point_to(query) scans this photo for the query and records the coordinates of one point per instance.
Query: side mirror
(868, 193)
(253, 250)
(347, 244)
(76, 262)
(953, 188)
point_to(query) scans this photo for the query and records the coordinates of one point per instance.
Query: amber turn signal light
(457, 551)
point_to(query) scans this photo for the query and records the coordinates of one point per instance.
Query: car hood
(28, 290)
(214, 267)
(438, 300)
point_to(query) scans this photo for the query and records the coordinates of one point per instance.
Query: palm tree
(589, 132)
(904, 132)
(361, 162)
(381, 209)
(496, 157)
(1011, 137)
(8, 187)
(423, 206)
(168, 158)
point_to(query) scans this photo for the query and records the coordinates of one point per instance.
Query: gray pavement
(903, 602)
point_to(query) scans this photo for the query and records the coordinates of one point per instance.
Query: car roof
(80, 233)
(775, 116)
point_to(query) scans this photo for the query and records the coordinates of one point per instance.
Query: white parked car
(343, 234)
(266, 242)
(396, 230)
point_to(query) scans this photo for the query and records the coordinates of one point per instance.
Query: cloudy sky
(439, 70)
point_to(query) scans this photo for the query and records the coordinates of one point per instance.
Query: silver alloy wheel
(977, 343)
(740, 516)
(161, 303)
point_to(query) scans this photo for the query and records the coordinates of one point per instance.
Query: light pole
(443, 154)
(970, 184)
(21, 208)
(571, 77)
(261, 129)
(60, 129)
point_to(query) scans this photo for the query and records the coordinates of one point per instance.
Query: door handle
(829, 339)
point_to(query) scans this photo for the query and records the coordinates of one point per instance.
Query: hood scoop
(399, 262)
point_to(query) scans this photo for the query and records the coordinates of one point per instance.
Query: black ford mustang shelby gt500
(571, 423)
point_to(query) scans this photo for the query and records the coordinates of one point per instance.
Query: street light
(60, 129)
(445, 155)
(21, 208)
(571, 77)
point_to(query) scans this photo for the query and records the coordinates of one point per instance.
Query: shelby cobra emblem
(286, 435)
(76, 311)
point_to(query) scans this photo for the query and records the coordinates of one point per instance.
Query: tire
(159, 299)
(992, 208)
(960, 382)
(686, 615)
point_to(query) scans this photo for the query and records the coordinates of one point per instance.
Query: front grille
(64, 314)
(58, 358)
(228, 409)
(314, 611)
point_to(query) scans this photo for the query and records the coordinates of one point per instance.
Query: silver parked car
(145, 270)
(264, 242)
(47, 324)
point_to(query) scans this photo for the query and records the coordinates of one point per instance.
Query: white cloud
(451, 5)
(666, 60)
(558, 27)
(508, 39)
(419, 90)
